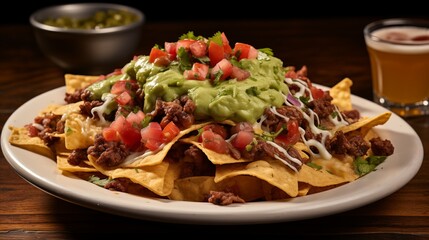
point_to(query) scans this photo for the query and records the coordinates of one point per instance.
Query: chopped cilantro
(217, 38)
(313, 165)
(98, 181)
(185, 62)
(365, 165)
(267, 51)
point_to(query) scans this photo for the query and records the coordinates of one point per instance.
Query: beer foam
(401, 45)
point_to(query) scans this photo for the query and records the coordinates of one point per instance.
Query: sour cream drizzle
(107, 98)
(295, 160)
(313, 121)
(134, 156)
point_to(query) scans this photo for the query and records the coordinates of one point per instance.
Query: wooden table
(331, 48)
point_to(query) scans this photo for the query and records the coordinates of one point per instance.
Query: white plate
(390, 176)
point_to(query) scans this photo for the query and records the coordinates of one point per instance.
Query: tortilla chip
(75, 82)
(272, 171)
(157, 178)
(67, 109)
(198, 188)
(19, 137)
(64, 165)
(158, 157)
(341, 94)
(366, 124)
(342, 168)
(80, 131)
(319, 178)
(214, 157)
(51, 108)
(303, 188)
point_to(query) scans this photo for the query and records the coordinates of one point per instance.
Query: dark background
(155, 11)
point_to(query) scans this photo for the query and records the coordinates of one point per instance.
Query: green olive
(100, 19)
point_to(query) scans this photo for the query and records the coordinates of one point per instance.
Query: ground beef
(108, 154)
(87, 106)
(180, 111)
(224, 198)
(381, 147)
(195, 163)
(322, 106)
(351, 144)
(351, 115)
(118, 184)
(77, 156)
(74, 97)
(51, 123)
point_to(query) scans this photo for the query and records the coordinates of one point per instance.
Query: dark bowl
(87, 51)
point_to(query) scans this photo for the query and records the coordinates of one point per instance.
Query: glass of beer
(399, 54)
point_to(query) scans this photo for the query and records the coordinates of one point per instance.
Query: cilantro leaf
(364, 166)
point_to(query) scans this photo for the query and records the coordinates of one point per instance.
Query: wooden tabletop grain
(331, 48)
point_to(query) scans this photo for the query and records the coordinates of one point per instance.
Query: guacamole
(227, 100)
(216, 98)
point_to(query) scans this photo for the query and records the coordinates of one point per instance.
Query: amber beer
(399, 56)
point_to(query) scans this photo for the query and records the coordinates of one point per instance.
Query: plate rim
(171, 211)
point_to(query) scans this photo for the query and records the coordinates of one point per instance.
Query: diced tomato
(128, 134)
(122, 130)
(184, 43)
(214, 141)
(136, 118)
(201, 68)
(225, 42)
(216, 53)
(239, 74)
(151, 136)
(244, 50)
(291, 136)
(110, 134)
(156, 53)
(124, 86)
(170, 48)
(124, 98)
(191, 75)
(198, 49)
(225, 66)
(242, 139)
(199, 71)
(253, 53)
(216, 128)
(119, 87)
(170, 131)
(317, 93)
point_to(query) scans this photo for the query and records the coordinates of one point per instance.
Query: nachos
(200, 119)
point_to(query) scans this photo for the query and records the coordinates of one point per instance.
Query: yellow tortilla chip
(319, 178)
(19, 137)
(74, 82)
(158, 157)
(158, 178)
(341, 94)
(64, 165)
(79, 131)
(342, 168)
(67, 109)
(214, 157)
(51, 108)
(303, 188)
(366, 124)
(272, 171)
(198, 188)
